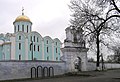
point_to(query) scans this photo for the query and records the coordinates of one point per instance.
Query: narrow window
(19, 37)
(38, 48)
(18, 28)
(23, 28)
(56, 50)
(47, 41)
(34, 47)
(19, 46)
(34, 38)
(56, 43)
(47, 49)
(27, 28)
(48, 58)
(19, 57)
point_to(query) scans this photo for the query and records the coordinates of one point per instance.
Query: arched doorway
(77, 63)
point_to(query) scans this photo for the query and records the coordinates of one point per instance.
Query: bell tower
(74, 49)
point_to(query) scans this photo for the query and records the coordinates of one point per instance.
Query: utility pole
(32, 49)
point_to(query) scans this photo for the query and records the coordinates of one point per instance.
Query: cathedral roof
(22, 18)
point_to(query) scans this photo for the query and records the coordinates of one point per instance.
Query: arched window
(19, 37)
(19, 57)
(19, 46)
(47, 50)
(38, 48)
(23, 28)
(27, 28)
(34, 38)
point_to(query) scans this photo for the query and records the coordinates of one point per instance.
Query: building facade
(25, 44)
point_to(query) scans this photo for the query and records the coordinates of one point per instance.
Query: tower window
(23, 28)
(47, 49)
(56, 43)
(27, 28)
(34, 38)
(18, 28)
(19, 46)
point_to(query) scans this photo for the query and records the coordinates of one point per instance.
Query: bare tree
(94, 20)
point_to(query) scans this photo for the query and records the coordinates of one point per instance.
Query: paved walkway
(106, 76)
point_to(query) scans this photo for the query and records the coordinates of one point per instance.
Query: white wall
(92, 66)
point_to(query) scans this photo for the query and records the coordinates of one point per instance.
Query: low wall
(22, 69)
(92, 66)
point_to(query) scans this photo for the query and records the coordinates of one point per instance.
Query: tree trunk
(98, 51)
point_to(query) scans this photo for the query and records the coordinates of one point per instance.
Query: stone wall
(92, 66)
(22, 69)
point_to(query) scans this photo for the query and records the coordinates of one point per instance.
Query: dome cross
(22, 10)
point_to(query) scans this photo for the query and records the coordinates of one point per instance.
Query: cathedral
(25, 44)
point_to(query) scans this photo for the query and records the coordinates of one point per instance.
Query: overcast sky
(49, 17)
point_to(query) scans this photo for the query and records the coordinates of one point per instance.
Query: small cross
(22, 10)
